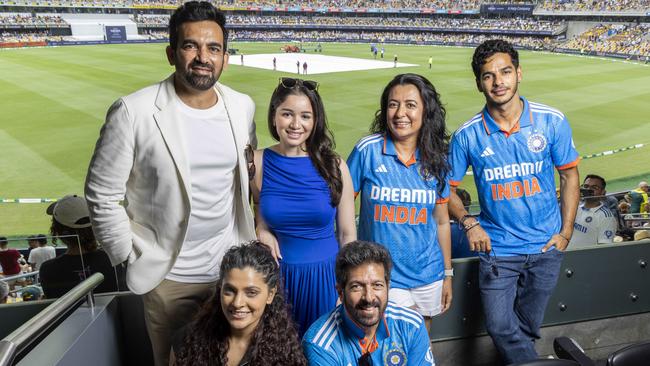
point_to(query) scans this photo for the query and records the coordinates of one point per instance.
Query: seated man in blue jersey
(365, 329)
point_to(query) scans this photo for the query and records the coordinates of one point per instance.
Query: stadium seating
(613, 38)
(589, 5)
(394, 21)
(633, 355)
(547, 362)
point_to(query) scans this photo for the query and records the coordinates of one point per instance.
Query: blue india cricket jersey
(397, 206)
(514, 174)
(401, 340)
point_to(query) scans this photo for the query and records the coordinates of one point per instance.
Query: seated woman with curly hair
(246, 322)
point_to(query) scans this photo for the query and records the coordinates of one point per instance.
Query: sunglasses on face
(290, 83)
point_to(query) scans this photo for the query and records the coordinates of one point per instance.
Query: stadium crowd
(526, 24)
(520, 24)
(380, 37)
(630, 39)
(595, 6)
(549, 5)
(20, 37)
(30, 19)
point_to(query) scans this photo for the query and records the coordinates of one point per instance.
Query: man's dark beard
(363, 320)
(200, 82)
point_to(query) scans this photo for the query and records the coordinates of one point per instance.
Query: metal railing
(19, 276)
(24, 336)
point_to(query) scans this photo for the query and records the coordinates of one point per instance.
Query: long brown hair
(320, 144)
(275, 340)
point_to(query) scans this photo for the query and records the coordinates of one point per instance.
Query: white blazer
(138, 184)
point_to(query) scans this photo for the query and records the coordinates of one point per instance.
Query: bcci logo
(536, 142)
(395, 357)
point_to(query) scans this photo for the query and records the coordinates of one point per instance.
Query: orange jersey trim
(442, 200)
(568, 166)
(454, 183)
(514, 129)
(485, 124)
(370, 347)
(408, 163)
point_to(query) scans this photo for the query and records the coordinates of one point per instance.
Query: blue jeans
(514, 301)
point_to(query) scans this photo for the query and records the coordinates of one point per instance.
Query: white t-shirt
(212, 157)
(593, 226)
(39, 255)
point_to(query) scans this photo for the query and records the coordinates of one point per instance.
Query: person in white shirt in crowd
(41, 252)
(595, 222)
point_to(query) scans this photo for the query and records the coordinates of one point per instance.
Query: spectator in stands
(304, 199)
(246, 322)
(174, 153)
(31, 244)
(4, 291)
(638, 197)
(365, 329)
(641, 235)
(526, 232)
(41, 253)
(31, 293)
(71, 225)
(9, 260)
(624, 207)
(595, 223)
(404, 157)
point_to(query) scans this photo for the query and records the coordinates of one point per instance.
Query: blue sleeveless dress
(295, 204)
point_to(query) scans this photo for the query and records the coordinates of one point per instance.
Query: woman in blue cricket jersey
(400, 172)
(304, 201)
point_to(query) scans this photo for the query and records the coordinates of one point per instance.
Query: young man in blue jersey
(514, 146)
(365, 329)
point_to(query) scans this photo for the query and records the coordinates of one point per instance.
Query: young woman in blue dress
(304, 200)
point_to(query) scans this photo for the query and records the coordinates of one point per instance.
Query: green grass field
(53, 102)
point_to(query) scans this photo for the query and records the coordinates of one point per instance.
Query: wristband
(449, 272)
(564, 237)
(471, 226)
(462, 219)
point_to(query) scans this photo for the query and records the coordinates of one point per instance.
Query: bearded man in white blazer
(167, 186)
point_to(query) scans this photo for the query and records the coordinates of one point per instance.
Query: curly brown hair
(275, 340)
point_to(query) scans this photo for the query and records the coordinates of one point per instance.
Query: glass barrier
(43, 266)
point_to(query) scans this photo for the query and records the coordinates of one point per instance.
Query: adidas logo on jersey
(487, 152)
(381, 169)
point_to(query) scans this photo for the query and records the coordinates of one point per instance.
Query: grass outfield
(53, 102)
